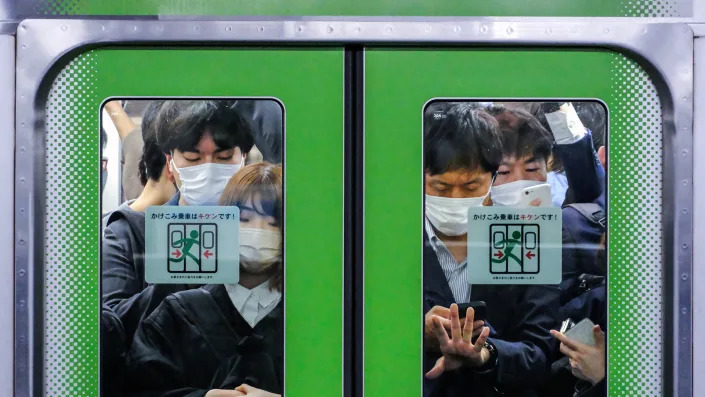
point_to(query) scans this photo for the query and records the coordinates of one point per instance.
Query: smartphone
(582, 332)
(479, 306)
(531, 193)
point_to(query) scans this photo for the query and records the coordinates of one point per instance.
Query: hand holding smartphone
(479, 306)
(541, 192)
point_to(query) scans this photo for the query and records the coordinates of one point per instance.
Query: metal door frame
(665, 50)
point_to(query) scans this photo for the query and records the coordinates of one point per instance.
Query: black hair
(180, 124)
(153, 160)
(460, 136)
(265, 117)
(103, 138)
(522, 133)
(593, 117)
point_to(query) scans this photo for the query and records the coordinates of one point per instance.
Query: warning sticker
(192, 245)
(509, 245)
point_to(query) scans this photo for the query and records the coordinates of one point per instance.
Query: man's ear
(602, 156)
(169, 172)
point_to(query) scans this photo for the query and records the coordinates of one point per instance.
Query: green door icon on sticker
(192, 248)
(515, 249)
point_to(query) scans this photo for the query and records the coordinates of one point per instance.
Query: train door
(219, 110)
(436, 189)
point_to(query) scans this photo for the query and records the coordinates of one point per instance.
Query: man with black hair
(208, 140)
(508, 351)
(205, 143)
(526, 149)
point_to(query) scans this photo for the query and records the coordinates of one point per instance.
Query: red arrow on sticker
(207, 254)
(176, 253)
(530, 255)
(499, 255)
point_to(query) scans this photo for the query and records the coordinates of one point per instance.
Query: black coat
(519, 316)
(196, 341)
(123, 287)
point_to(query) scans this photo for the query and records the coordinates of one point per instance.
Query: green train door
(305, 88)
(401, 88)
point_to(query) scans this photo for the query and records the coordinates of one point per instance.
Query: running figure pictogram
(510, 244)
(188, 243)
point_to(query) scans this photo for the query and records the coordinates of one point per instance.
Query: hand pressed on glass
(443, 314)
(459, 350)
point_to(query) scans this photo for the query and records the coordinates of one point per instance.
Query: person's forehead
(206, 144)
(461, 176)
(512, 160)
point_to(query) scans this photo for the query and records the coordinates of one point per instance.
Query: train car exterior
(354, 82)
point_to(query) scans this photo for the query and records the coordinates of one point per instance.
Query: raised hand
(458, 349)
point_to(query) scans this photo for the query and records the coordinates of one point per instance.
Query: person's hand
(248, 390)
(459, 350)
(535, 202)
(224, 393)
(586, 362)
(113, 106)
(444, 314)
(122, 122)
(565, 124)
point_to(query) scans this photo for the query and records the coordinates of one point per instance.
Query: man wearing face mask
(526, 149)
(527, 146)
(224, 340)
(207, 141)
(506, 353)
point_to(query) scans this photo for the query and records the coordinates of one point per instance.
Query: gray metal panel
(665, 50)
(699, 221)
(7, 203)
(8, 10)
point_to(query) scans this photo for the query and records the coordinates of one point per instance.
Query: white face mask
(450, 215)
(204, 183)
(259, 249)
(509, 194)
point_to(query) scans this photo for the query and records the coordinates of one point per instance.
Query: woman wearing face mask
(224, 340)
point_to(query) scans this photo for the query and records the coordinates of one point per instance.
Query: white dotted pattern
(635, 234)
(71, 248)
(655, 8)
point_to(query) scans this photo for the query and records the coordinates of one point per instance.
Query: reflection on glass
(506, 186)
(193, 160)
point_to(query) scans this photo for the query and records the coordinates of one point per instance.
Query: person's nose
(457, 193)
(258, 223)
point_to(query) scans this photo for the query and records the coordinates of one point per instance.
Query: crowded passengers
(227, 339)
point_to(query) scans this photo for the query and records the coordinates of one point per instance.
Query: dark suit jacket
(520, 317)
(196, 341)
(585, 175)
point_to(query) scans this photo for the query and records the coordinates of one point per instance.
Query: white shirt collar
(253, 304)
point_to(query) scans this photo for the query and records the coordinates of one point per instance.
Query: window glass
(192, 247)
(514, 224)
